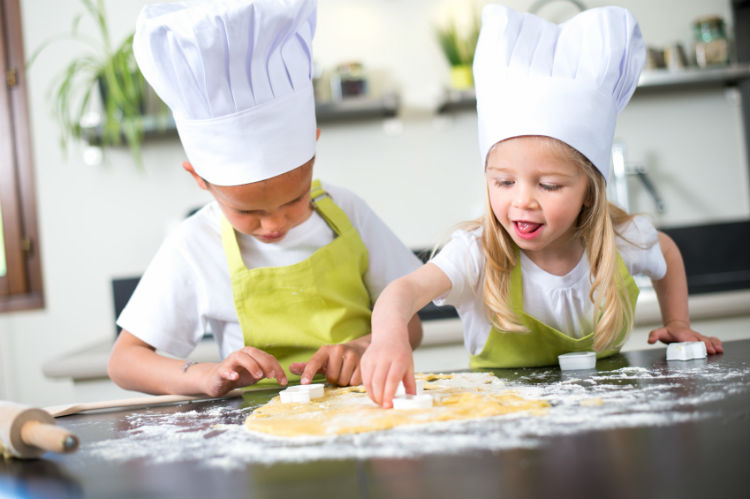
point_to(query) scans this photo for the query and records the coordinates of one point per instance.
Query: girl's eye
(550, 187)
(503, 183)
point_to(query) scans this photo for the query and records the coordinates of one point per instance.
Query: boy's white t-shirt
(561, 302)
(186, 292)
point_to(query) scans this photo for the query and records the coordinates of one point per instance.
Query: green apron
(542, 344)
(292, 311)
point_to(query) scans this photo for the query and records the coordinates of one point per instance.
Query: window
(20, 268)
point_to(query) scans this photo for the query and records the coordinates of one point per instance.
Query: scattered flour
(625, 397)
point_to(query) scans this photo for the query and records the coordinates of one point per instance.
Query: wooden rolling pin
(27, 432)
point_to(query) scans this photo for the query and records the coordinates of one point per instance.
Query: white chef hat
(237, 75)
(566, 81)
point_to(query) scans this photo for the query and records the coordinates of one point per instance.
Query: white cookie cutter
(686, 350)
(423, 401)
(302, 394)
(577, 360)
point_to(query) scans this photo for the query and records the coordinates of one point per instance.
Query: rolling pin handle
(48, 437)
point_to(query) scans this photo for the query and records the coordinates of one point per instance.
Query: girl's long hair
(596, 227)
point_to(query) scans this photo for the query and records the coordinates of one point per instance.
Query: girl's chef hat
(237, 75)
(566, 81)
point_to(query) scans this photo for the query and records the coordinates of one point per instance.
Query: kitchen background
(101, 219)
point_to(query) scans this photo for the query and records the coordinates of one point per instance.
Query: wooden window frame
(21, 287)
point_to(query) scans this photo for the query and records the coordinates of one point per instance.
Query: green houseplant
(103, 70)
(458, 48)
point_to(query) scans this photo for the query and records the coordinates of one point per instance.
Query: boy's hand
(678, 331)
(383, 367)
(241, 368)
(339, 363)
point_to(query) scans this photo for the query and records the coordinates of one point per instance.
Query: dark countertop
(638, 426)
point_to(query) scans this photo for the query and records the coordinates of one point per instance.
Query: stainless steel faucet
(618, 187)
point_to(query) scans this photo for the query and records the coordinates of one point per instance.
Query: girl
(547, 270)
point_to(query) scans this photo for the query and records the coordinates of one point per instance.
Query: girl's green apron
(542, 344)
(292, 311)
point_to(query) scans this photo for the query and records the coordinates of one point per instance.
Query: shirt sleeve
(638, 244)
(462, 262)
(389, 258)
(163, 310)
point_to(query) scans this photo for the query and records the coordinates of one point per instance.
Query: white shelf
(455, 100)
(694, 77)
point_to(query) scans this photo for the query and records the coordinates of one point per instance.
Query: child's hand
(241, 368)
(384, 366)
(678, 331)
(339, 363)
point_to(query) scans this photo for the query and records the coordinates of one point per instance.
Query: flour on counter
(620, 398)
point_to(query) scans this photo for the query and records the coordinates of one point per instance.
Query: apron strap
(231, 246)
(330, 211)
(515, 293)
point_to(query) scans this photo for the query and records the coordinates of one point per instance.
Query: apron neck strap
(231, 247)
(331, 213)
(515, 293)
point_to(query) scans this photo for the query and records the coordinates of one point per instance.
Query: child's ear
(198, 179)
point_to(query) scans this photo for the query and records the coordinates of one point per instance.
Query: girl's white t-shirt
(561, 302)
(186, 292)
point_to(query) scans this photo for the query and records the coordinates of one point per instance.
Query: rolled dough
(349, 410)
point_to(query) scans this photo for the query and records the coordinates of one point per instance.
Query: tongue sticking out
(527, 227)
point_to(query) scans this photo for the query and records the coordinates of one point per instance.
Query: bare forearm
(415, 331)
(134, 365)
(671, 290)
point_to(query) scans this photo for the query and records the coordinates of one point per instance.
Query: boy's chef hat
(566, 81)
(237, 75)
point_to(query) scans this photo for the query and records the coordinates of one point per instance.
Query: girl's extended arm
(388, 359)
(135, 365)
(672, 293)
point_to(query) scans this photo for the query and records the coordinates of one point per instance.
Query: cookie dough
(349, 410)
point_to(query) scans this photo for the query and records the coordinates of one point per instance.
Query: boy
(281, 270)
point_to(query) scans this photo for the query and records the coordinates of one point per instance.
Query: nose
(273, 222)
(524, 197)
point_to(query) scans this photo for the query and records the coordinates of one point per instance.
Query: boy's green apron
(542, 344)
(292, 311)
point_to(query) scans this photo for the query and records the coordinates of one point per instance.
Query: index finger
(316, 364)
(268, 363)
(391, 384)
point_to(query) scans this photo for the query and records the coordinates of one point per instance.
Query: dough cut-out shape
(347, 410)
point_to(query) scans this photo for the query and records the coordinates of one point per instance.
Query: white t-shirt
(561, 302)
(186, 291)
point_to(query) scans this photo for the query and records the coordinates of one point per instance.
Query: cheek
(245, 224)
(498, 203)
(298, 213)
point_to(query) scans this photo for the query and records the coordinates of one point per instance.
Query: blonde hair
(596, 226)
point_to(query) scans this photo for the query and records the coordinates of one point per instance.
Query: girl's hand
(384, 365)
(339, 363)
(678, 331)
(240, 368)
